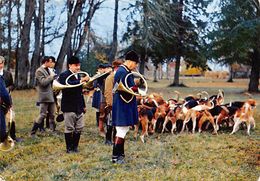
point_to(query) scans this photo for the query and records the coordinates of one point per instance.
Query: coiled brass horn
(8, 143)
(125, 88)
(56, 86)
(89, 84)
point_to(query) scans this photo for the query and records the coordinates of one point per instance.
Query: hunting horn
(8, 143)
(56, 86)
(125, 87)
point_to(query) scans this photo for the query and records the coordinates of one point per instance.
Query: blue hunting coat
(5, 101)
(72, 98)
(124, 114)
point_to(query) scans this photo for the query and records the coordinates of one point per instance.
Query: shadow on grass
(177, 85)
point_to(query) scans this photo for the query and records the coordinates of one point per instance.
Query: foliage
(236, 33)
(98, 54)
(162, 157)
(168, 30)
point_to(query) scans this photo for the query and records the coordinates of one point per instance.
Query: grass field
(163, 157)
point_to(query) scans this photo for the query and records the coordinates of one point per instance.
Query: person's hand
(134, 88)
(84, 79)
(53, 73)
(108, 108)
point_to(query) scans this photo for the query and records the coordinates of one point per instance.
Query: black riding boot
(12, 131)
(41, 126)
(118, 151)
(48, 121)
(52, 126)
(123, 149)
(76, 137)
(34, 128)
(69, 142)
(109, 135)
(115, 153)
(97, 118)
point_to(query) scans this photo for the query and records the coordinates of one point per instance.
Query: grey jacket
(44, 84)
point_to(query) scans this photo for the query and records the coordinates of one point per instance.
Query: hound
(245, 114)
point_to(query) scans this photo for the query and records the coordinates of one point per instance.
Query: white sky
(103, 20)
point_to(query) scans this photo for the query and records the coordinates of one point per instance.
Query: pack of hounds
(159, 115)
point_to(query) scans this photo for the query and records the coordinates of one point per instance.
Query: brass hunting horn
(141, 91)
(56, 86)
(8, 143)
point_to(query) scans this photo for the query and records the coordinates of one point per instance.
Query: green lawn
(163, 157)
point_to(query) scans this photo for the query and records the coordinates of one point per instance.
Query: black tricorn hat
(132, 55)
(73, 60)
(60, 118)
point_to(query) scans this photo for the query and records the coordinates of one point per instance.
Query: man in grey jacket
(44, 79)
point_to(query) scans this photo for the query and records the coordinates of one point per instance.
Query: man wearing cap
(108, 94)
(9, 83)
(124, 113)
(98, 100)
(73, 105)
(44, 78)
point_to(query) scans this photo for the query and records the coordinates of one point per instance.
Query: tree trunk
(255, 71)
(176, 81)
(19, 27)
(155, 73)
(43, 31)
(142, 64)
(68, 33)
(9, 39)
(177, 72)
(35, 61)
(82, 38)
(231, 73)
(113, 51)
(167, 70)
(1, 28)
(23, 52)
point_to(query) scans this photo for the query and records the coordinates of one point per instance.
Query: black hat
(60, 118)
(101, 66)
(73, 60)
(132, 55)
(107, 65)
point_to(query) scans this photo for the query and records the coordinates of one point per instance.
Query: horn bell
(7, 145)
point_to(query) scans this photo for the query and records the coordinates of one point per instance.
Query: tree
(38, 27)
(173, 25)
(23, 51)
(75, 10)
(235, 38)
(113, 51)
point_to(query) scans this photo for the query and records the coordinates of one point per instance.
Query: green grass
(163, 157)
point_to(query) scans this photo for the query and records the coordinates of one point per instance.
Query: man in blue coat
(72, 105)
(124, 109)
(5, 102)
